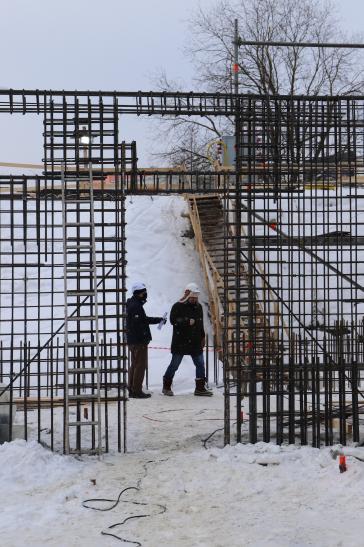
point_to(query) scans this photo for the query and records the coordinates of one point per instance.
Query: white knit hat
(191, 290)
(192, 287)
(138, 286)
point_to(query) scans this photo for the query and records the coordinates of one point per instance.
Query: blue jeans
(198, 361)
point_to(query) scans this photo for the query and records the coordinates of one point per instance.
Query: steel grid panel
(293, 303)
(295, 351)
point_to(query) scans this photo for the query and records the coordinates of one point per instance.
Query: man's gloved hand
(203, 341)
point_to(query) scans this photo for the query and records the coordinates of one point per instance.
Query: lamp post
(84, 139)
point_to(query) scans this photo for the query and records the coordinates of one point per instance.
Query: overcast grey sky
(103, 44)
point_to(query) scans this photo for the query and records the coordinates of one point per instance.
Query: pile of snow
(260, 495)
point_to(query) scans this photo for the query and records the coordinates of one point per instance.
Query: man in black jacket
(188, 339)
(138, 337)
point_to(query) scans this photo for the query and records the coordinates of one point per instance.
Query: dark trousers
(139, 363)
(197, 359)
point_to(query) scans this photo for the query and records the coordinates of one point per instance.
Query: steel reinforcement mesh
(293, 304)
(32, 315)
(294, 299)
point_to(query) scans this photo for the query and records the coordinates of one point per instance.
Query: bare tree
(265, 70)
(268, 69)
(188, 137)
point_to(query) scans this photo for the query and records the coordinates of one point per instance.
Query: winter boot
(201, 388)
(139, 395)
(167, 386)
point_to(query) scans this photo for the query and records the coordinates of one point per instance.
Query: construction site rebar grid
(294, 271)
(38, 378)
(291, 239)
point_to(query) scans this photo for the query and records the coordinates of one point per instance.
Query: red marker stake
(342, 464)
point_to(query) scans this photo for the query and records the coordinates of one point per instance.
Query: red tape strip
(169, 349)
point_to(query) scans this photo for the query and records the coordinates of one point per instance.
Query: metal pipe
(340, 45)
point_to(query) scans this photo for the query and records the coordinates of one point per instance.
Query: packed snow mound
(31, 464)
(254, 495)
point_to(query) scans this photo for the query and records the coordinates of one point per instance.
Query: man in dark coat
(188, 339)
(138, 337)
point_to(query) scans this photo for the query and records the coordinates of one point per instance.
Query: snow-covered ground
(188, 495)
(260, 495)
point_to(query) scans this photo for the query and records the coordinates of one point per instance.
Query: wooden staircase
(215, 251)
